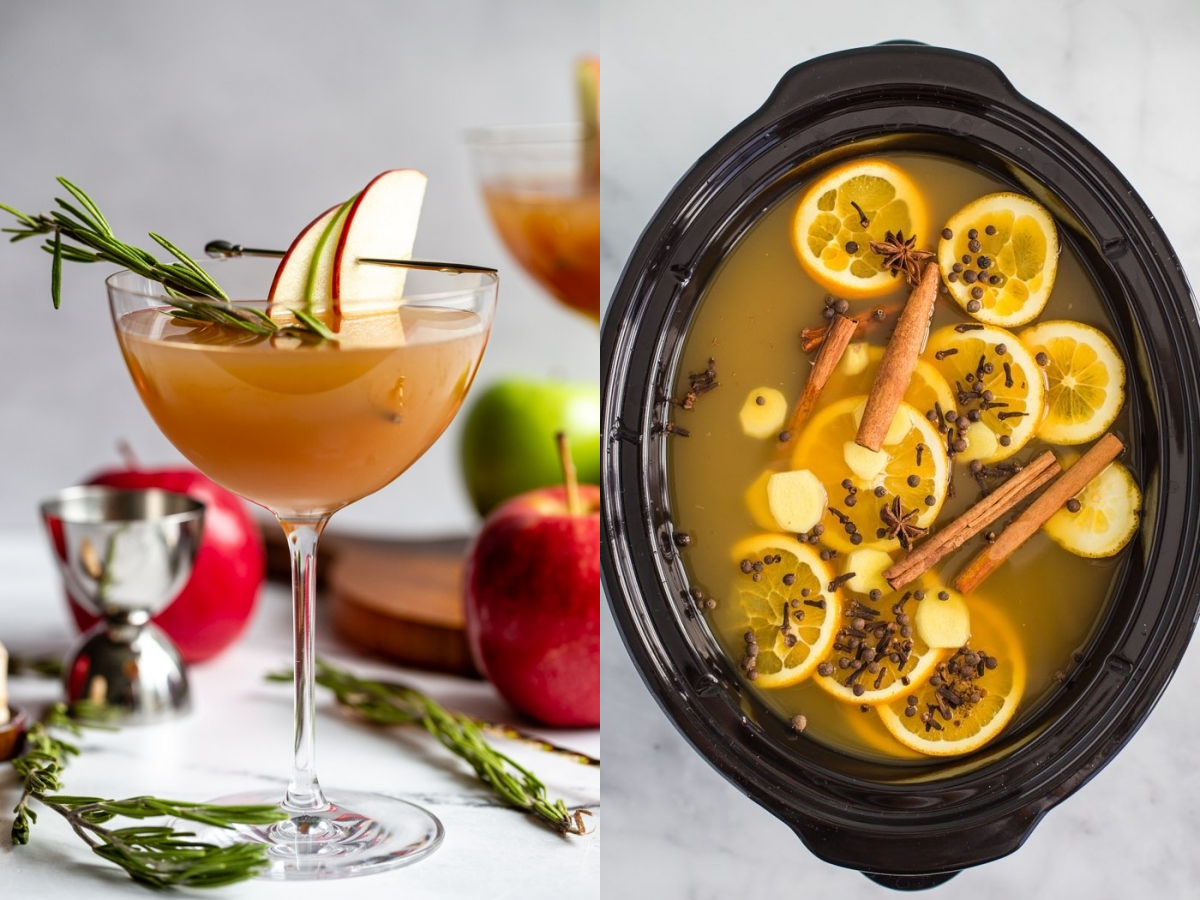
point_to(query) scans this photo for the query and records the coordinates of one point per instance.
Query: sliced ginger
(763, 413)
(796, 499)
(943, 619)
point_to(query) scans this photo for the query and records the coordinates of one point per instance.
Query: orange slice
(842, 212)
(791, 615)
(877, 653)
(971, 696)
(860, 484)
(1105, 519)
(1000, 259)
(929, 389)
(995, 379)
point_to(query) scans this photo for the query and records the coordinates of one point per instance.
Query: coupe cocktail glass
(540, 183)
(304, 428)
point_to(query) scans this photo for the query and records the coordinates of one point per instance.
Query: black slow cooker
(904, 827)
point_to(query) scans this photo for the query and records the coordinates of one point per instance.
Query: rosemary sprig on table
(155, 855)
(388, 703)
(190, 289)
(45, 666)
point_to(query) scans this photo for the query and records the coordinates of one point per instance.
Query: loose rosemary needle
(190, 289)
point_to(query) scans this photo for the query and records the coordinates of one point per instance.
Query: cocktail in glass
(542, 191)
(304, 427)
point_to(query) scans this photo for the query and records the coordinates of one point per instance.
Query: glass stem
(304, 792)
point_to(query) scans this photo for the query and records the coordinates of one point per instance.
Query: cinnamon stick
(899, 361)
(837, 339)
(1026, 525)
(999, 502)
(868, 322)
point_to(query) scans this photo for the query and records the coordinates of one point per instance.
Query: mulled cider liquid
(749, 323)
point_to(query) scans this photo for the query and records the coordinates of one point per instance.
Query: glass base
(358, 834)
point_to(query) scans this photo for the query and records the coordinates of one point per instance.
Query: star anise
(900, 255)
(901, 525)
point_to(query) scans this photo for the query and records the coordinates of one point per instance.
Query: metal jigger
(125, 555)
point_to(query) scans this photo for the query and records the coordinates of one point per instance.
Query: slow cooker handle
(872, 70)
(911, 882)
(838, 846)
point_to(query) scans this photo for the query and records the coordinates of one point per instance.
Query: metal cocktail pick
(125, 555)
(220, 249)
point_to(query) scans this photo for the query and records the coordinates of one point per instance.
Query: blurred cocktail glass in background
(541, 184)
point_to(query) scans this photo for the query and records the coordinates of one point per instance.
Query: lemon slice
(828, 234)
(966, 708)
(782, 589)
(1106, 518)
(998, 386)
(860, 490)
(1085, 380)
(877, 653)
(1000, 259)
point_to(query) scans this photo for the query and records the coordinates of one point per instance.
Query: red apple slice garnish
(382, 224)
(288, 289)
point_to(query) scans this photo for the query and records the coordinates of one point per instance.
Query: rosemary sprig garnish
(190, 289)
(155, 855)
(388, 703)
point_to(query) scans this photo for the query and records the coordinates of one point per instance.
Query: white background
(243, 121)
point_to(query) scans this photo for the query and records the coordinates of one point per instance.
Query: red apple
(532, 592)
(218, 599)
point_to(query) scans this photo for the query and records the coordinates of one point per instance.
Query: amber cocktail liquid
(555, 235)
(300, 428)
(805, 611)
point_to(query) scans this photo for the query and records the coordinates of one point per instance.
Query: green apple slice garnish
(318, 288)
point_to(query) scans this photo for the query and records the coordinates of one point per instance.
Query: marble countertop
(238, 737)
(1113, 70)
(676, 828)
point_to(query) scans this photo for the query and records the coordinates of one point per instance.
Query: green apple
(508, 444)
